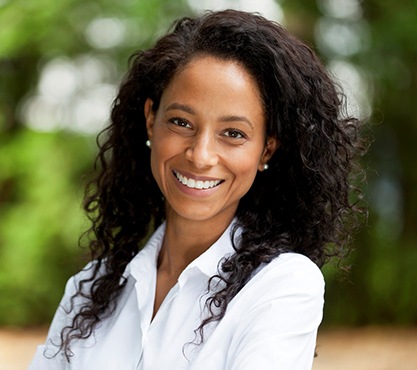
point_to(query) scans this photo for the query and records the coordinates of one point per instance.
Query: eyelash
(180, 122)
(229, 133)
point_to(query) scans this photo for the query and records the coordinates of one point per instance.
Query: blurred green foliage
(42, 170)
(40, 220)
(384, 274)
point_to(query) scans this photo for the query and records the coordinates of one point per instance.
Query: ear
(272, 144)
(149, 117)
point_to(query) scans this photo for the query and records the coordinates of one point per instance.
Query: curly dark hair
(304, 203)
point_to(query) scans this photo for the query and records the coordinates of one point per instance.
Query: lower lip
(194, 191)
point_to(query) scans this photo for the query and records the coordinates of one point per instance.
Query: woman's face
(208, 139)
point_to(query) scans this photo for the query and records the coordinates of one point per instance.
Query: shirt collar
(146, 260)
(208, 262)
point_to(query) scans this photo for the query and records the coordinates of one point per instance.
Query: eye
(234, 134)
(180, 122)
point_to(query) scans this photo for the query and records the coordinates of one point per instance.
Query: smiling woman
(209, 128)
(207, 242)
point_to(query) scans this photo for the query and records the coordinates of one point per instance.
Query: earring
(148, 143)
(266, 166)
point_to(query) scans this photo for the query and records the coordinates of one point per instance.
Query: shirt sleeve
(280, 328)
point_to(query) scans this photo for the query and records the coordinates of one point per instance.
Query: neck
(185, 240)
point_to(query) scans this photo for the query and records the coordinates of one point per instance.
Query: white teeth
(193, 184)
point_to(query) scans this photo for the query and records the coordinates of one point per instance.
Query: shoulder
(77, 289)
(86, 275)
(69, 306)
(294, 267)
(290, 267)
(291, 277)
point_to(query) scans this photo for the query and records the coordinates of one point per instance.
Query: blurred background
(60, 64)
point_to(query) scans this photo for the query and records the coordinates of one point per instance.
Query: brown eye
(180, 122)
(235, 134)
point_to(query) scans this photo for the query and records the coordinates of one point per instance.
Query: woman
(243, 185)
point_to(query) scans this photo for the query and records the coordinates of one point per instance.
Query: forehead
(208, 60)
(216, 76)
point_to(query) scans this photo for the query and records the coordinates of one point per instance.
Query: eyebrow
(236, 119)
(228, 118)
(182, 107)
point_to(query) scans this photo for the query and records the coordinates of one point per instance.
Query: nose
(202, 151)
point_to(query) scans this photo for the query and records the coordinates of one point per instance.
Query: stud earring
(266, 166)
(148, 143)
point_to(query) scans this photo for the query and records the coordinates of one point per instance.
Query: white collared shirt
(270, 324)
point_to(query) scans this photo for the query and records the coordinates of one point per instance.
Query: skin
(208, 132)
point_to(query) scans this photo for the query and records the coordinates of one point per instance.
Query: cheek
(247, 161)
(246, 173)
(157, 164)
(162, 153)
(154, 169)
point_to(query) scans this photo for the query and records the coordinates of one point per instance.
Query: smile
(196, 184)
